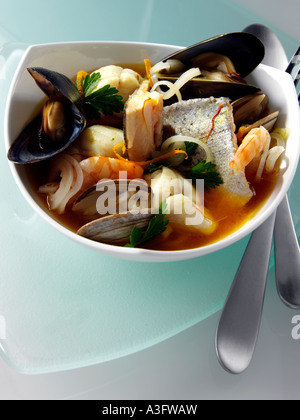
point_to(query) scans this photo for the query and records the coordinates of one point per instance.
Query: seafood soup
(141, 156)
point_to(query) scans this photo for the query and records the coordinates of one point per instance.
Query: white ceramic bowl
(70, 57)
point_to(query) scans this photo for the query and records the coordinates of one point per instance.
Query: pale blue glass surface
(66, 306)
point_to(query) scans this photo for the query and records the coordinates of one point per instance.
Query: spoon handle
(240, 320)
(287, 256)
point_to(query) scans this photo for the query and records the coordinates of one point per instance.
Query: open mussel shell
(245, 51)
(56, 86)
(33, 145)
(201, 88)
(115, 228)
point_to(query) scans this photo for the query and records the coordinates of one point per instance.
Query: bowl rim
(139, 254)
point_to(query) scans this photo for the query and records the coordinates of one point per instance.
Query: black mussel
(54, 122)
(59, 124)
(202, 88)
(245, 51)
(224, 61)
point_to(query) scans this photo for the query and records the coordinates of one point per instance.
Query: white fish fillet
(143, 123)
(194, 118)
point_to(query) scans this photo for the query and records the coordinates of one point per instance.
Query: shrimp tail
(251, 147)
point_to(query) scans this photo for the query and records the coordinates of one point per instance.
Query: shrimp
(96, 168)
(143, 123)
(251, 147)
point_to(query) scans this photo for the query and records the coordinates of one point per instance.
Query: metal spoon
(240, 320)
(287, 257)
(239, 324)
(275, 55)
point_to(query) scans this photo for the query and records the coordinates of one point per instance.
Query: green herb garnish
(156, 226)
(207, 171)
(152, 167)
(190, 148)
(106, 99)
(90, 83)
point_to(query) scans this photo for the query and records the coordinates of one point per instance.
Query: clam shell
(267, 122)
(250, 108)
(115, 228)
(86, 203)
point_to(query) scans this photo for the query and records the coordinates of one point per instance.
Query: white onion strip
(174, 88)
(263, 159)
(157, 68)
(76, 186)
(49, 188)
(273, 156)
(62, 167)
(181, 138)
(278, 138)
(171, 66)
(70, 184)
(187, 76)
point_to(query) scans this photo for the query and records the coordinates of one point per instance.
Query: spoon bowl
(275, 55)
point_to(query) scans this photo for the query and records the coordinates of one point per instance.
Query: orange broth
(224, 211)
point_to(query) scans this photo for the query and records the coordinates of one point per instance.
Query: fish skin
(194, 118)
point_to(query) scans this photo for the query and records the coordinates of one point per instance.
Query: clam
(224, 61)
(250, 108)
(112, 208)
(113, 196)
(115, 228)
(267, 122)
(57, 126)
(252, 112)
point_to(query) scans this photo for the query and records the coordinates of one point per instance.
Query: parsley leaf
(152, 167)
(90, 83)
(106, 99)
(207, 171)
(190, 148)
(156, 226)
